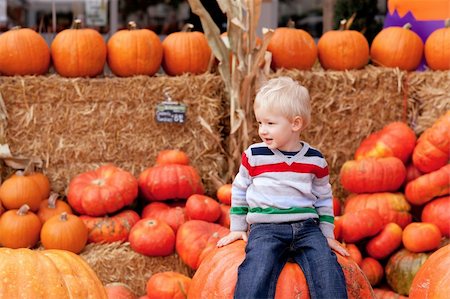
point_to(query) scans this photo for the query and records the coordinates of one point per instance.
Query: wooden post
(328, 14)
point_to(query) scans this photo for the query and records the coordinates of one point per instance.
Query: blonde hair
(285, 96)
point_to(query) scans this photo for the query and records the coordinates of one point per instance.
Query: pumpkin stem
(23, 210)
(76, 24)
(290, 24)
(447, 23)
(407, 26)
(52, 200)
(132, 25)
(63, 217)
(16, 27)
(342, 24)
(187, 27)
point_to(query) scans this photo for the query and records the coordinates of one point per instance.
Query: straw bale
(117, 262)
(74, 125)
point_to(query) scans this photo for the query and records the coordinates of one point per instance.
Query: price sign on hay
(171, 112)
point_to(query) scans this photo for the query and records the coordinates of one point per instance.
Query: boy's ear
(297, 123)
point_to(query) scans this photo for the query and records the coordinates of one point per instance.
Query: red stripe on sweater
(319, 172)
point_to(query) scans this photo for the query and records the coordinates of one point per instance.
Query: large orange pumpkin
(437, 51)
(78, 52)
(104, 190)
(292, 48)
(216, 277)
(134, 52)
(343, 49)
(23, 52)
(186, 52)
(49, 274)
(396, 139)
(397, 47)
(433, 278)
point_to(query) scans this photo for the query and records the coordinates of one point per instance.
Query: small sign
(96, 12)
(171, 112)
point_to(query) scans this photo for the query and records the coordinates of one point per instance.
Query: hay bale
(75, 125)
(117, 262)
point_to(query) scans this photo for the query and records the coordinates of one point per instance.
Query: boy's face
(277, 131)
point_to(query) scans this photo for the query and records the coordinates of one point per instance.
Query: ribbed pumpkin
(19, 228)
(49, 274)
(428, 186)
(396, 139)
(433, 278)
(78, 52)
(186, 52)
(437, 212)
(134, 52)
(401, 268)
(104, 190)
(292, 48)
(397, 47)
(64, 231)
(168, 285)
(437, 51)
(371, 175)
(393, 207)
(343, 49)
(170, 181)
(433, 146)
(216, 277)
(52, 206)
(23, 52)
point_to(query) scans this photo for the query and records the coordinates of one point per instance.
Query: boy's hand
(231, 237)
(336, 246)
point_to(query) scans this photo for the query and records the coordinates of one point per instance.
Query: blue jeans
(268, 249)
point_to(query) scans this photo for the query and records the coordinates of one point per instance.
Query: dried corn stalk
(244, 73)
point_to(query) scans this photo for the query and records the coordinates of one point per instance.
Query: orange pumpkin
(173, 216)
(437, 212)
(104, 190)
(118, 290)
(224, 194)
(292, 48)
(168, 285)
(421, 237)
(64, 231)
(437, 51)
(186, 52)
(373, 270)
(224, 218)
(360, 224)
(396, 139)
(386, 242)
(23, 52)
(343, 49)
(172, 156)
(397, 47)
(134, 52)
(202, 207)
(384, 293)
(50, 274)
(216, 277)
(152, 238)
(433, 278)
(19, 228)
(51, 207)
(428, 186)
(78, 52)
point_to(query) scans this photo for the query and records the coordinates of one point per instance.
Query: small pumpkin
(437, 212)
(168, 285)
(223, 194)
(224, 218)
(397, 47)
(173, 216)
(172, 156)
(385, 293)
(52, 206)
(134, 51)
(19, 228)
(118, 290)
(421, 237)
(186, 52)
(343, 49)
(202, 207)
(386, 242)
(437, 52)
(78, 52)
(373, 270)
(152, 237)
(64, 231)
(360, 224)
(23, 52)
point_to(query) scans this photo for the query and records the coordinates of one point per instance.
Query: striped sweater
(272, 188)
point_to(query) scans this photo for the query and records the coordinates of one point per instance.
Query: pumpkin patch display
(152, 237)
(433, 278)
(170, 181)
(50, 274)
(395, 140)
(397, 47)
(343, 49)
(110, 229)
(104, 190)
(78, 52)
(134, 51)
(23, 52)
(168, 285)
(52, 206)
(216, 277)
(185, 52)
(19, 228)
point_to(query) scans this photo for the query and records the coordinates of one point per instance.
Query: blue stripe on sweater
(262, 151)
(313, 153)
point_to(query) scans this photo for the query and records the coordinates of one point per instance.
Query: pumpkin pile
(396, 215)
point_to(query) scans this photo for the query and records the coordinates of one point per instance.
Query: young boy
(282, 191)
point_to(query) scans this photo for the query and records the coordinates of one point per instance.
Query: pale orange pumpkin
(19, 228)
(397, 47)
(23, 52)
(186, 52)
(78, 52)
(134, 52)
